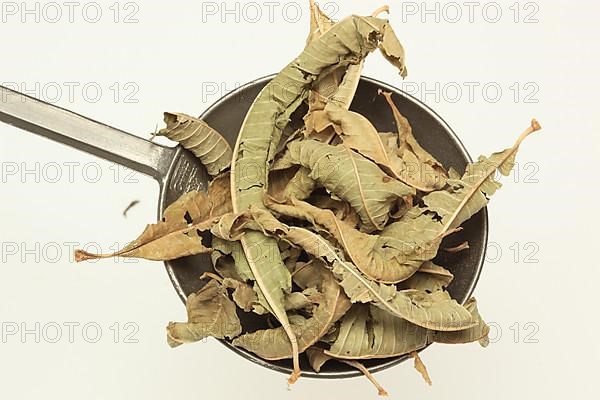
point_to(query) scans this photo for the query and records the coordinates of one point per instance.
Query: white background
(172, 60)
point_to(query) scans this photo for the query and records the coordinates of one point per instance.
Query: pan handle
(85, 134)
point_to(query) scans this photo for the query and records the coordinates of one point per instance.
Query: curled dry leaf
(370, 332)
(229, 261)
(210, 313)
(429, 278)
(410, 162)
(273, 344)
(467, 196)
(245, 296)
(382, 258)
(331, 90)
(352, 178)
(180, 232)
(197, 136)
(348, 40)
(430, 310)
(392, 49)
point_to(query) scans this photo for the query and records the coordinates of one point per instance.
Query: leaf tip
(383, 9)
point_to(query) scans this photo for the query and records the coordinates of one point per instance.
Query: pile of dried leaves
(330, 228)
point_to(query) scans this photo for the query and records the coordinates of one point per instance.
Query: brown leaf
(410, 162)
(430, 310)
(273, 344)
(380, 257)
(210, 313)
(179, 233)
(351, 177)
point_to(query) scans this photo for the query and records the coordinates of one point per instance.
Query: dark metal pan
(178, 171)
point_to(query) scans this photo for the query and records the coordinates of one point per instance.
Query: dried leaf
(239, 269)
(467, 196)
(244, 296)
(429, 278)
(392, 49)
(478, 332)
(179, 233)
(351, 177)
(379, 257)
(197, 136)
(410, 162)
(350, 39)
(273, 344)
(319, 23)
(430, 310)
(342, 209)
(317, 357)
(369, 332)
(357, 133)
(210, 313)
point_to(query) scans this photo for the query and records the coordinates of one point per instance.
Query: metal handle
(82, 133)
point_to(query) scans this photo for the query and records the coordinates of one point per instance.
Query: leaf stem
(365, 371)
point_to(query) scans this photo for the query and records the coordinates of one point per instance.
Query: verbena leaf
(179, 233)
(467, 196)
(350, 39)
(429, 277)
(238, 269)
(319, 23)
(392, 49)
(409, 161)
(245, 296)
(197, 136)
(369, 332)
(433, 311)
(210, 313)
(351, 177)
(273, 344)
(379, 257)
